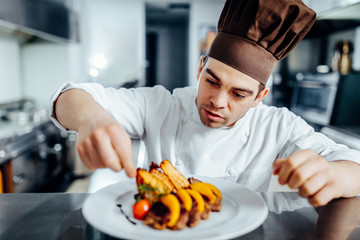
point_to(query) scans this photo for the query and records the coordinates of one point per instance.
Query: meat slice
(216, 207)
(158, 216)
(183, 219)
(206, 213)
(194, 216)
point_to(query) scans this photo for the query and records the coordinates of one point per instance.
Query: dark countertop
(58, 216)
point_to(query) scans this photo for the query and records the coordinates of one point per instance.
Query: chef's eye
(211, 82)
(237, 95)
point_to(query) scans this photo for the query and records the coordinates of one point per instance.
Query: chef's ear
(261, 96)
(202, 60)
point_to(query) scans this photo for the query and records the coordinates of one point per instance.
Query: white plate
(242, 211)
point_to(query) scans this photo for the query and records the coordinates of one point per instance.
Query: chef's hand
(105, 144)
(102, 142)
(313, 176)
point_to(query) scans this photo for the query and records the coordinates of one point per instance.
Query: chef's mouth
(212, 116)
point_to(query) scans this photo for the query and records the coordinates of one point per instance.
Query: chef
(219, 128)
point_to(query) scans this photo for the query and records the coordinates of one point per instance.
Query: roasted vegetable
(185, 198)
(174, 175)
(176, 202)
(149, 186)
(205, 190)
(163, 178)
(173, 204)
(215, 190)
(141, 208)
(198, 199)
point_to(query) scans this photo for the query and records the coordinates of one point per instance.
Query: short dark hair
(261, 85)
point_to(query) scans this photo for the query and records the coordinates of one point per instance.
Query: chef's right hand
(104, 143)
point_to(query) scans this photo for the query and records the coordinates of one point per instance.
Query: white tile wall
(10, 82)
(45, 68)
(117, 31)
(202, 13)
(356, 54)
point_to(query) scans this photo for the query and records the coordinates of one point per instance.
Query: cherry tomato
(141, 208)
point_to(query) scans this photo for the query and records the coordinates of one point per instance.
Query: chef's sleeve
(124, 105)
(302, 136)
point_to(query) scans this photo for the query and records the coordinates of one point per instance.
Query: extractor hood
(51, 20)
(341, 18)
(342, 12)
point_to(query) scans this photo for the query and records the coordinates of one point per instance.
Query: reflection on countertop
(58, 216)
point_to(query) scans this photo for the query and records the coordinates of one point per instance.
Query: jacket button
(231, 172)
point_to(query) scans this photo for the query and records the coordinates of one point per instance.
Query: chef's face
(225, 94)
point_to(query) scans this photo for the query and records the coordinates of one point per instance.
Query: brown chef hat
(254, 34)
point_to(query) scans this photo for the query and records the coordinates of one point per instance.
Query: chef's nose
(219, 99)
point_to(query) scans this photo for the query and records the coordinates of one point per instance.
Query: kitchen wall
(117, 35)
(305, 57)
(33, 67)
(45, 67)
(113, 31)
(118, 31)
(202, 13)
(356, 60)
(10, 79)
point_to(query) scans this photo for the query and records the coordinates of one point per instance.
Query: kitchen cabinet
(54, 21)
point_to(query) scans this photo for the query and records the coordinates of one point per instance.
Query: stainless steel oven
(36, 160)
(314, 96)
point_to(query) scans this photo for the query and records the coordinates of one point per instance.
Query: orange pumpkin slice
(215, 190)
(185, 198)
(173, 204)
(198, 199)
(205, 190)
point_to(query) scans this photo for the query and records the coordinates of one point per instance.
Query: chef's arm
(102, 142)
(349, 174)
(318, 179)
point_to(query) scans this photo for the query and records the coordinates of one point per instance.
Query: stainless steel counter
(58, 216)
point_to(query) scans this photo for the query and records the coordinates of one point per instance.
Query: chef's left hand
(313, 176)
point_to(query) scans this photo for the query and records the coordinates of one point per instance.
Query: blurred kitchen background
(133, 43)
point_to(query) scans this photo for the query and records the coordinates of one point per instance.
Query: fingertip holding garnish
(276, 167)
(276, 170)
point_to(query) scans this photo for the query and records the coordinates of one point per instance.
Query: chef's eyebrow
(249, 91)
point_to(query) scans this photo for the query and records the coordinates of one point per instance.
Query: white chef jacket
(171, 128)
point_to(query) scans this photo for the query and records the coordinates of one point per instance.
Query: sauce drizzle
(127, 217)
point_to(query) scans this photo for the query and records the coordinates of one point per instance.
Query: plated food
(167, 199)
